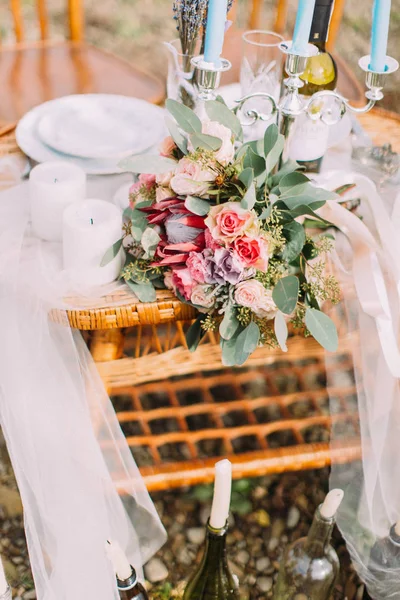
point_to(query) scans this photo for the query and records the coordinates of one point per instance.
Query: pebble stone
(262, 564)
(293, 517)
(243, 557)
(196, 535)
(265, 583)
(31, 595)
(155, 570)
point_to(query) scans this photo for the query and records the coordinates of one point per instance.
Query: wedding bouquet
(223, 225)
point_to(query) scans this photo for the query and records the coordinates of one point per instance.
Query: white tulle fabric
(367, 261)
(67, 449)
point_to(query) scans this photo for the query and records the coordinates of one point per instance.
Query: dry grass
(136, 29)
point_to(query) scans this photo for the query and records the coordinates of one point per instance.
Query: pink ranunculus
(252, 252)
(167, 147)
(252, 294)
(191, 178)
(202, 296)
(182, 282)
(147, 179)
(163, 192)
(228, 221)
(197, 265)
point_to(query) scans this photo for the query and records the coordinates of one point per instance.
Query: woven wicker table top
(122, 309)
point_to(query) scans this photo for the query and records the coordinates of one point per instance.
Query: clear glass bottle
(212, 580)
(310, 140)
(131, 588)
(384, 557)
(310, 565)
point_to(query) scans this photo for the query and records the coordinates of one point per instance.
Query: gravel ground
(267, 514)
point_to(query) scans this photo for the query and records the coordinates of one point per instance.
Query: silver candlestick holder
(329, 106)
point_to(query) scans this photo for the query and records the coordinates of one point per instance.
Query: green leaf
(186, 118)
(295, 239)
(147, 163)
(322, 328)
(111, 253)
(138, 224)
(144, 291)
(285, 294)
(176, 135)
(289, 167)
(221, 100)
(240, 505)
(273, 147)
(247, 176)
(291, 180)
(270, 138)
(254, 161)
(249, 199)
(247, 341)
(229, 324)
(281, 330)
(149, 241)
(228, 348)
(219, 112)
(197, 206)
(266, 213)
(207, 142)
(195, 333)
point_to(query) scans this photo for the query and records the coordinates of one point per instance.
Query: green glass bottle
(212, 580)
(310, 140)
(310, 565)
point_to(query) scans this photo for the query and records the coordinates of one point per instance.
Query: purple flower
(223, 267)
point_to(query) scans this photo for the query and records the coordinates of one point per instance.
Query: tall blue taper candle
(379, 34)
(302, 28)
(215, 31)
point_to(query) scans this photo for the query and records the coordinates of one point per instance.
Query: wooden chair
(33, 72)
(348, 84)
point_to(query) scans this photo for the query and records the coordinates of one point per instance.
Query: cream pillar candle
(90, 228)
(53, 186)
(119, 561)
(222, 494)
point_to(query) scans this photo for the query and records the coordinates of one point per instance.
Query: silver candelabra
(329, 106)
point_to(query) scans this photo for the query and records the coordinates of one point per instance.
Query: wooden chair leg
(107, 345)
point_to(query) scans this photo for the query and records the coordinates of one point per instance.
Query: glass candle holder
(180, 78)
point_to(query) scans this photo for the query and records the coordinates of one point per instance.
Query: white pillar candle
(53, 186)
(119, 561)
(222, 494)
(3, 580)
(90, 228)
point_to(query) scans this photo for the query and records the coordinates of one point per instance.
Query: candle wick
(91, 221)
(55, 180)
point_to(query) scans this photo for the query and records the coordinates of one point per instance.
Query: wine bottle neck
(320, 23)
(319, 535)
(215, 549)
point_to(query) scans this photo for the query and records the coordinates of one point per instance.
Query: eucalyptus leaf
(229, 324)
(272, 158)
(176, 135)
(270, 137)
(128, 213)
(147, 163)
(111, 253)
(281, 330)
(228, 348)
(247, 176)
(138, 224)
(220, 100)
(207, 142)
(254, 161)
(149, 241)
(247, 341)
(285, 294)
(144, 291)
(186, 118)
(322, 328)
(197, 206)
(266, 213)
(295, 239)
(292, 179)
(249, 199)
(195, 333)
(288, 167)
(219, 112)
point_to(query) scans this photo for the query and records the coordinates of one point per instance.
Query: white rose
(267, 308)
(252, 294)
(227, 151)
(164, 178)
(201, 296)
(191, 179)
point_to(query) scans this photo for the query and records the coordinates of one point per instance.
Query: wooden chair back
(281, 15)
(75, 19)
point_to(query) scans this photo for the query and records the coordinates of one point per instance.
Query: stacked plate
(94, 131)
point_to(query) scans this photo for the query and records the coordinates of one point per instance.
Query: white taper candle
(3, 580)
(119, 561)
(222, 494)
(331, 504)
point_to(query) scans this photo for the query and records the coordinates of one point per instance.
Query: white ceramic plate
(100, 125)
(30, 143)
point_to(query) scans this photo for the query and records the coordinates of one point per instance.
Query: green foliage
(197, 206)
(186, 118)
(111, 253)
(206, 142)
(322, 328)
(144, 291)
(176, 135)
(285, 294)
(217, 111)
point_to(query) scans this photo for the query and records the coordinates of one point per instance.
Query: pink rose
(167, 147)
(191, 179)
(182, 282)
(197, 265)
(252, 252)
(252, 294)
(163, 192)
(202, 296)
(228, 221)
